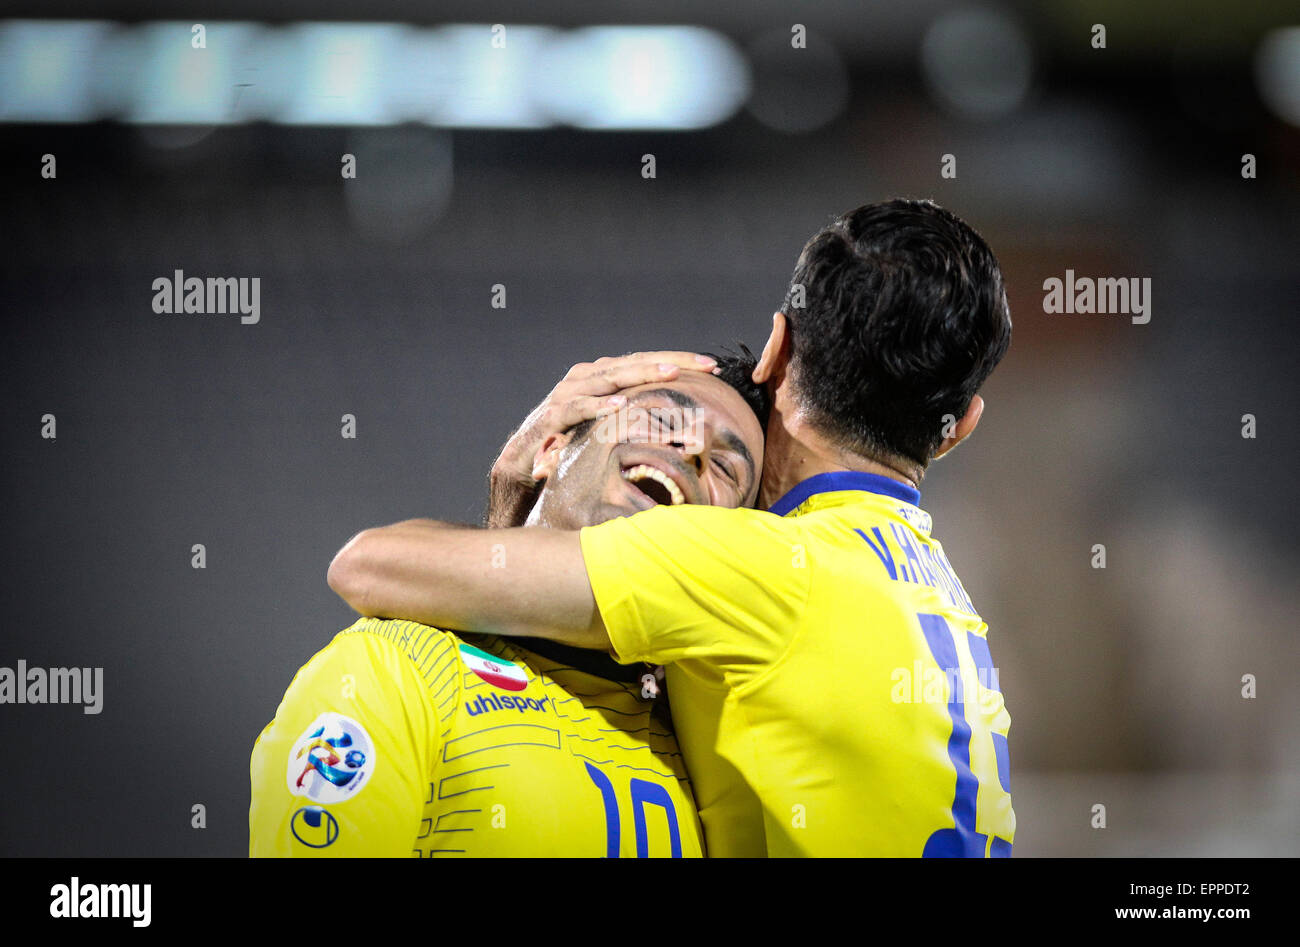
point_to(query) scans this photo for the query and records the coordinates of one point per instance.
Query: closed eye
(727, 471)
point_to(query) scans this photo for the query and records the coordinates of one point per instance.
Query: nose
(694, 453)
(696, 459)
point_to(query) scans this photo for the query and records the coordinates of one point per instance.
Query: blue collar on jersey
(845, 480)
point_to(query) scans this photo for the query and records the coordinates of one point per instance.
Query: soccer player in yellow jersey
(400, 738)
(830, 678)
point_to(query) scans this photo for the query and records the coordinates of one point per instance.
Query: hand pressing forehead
(692, 439)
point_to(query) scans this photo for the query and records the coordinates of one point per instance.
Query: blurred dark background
(1124, 684)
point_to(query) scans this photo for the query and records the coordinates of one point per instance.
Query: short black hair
(737, 370)
(904, 315)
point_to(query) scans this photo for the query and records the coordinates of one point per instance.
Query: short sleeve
(343, 769)
(722, 586)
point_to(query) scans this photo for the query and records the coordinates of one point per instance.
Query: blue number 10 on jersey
(644, 793)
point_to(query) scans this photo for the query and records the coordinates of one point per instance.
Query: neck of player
(794, 451)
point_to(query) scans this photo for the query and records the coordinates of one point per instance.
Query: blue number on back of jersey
(963, 841)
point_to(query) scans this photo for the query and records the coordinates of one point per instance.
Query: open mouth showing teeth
(655, 484)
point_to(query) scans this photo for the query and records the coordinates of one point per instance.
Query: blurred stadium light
(644, 77)
(1277, 71)
(978, 62)
(163, 81)
(357, 74)
(341, 74)
(796, 90)
(47, 70)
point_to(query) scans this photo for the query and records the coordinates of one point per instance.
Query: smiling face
(690, 440)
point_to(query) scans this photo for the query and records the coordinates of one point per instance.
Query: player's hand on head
(588, 390)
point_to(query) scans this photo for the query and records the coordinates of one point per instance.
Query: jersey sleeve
(343, 769)
(696, 582)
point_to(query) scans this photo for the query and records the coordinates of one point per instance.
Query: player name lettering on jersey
(919, 563)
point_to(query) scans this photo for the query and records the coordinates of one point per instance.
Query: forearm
(516, 582)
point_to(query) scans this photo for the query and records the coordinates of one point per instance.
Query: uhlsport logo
(487, 704)
(332, 760)
(314, 827)
(496, 671)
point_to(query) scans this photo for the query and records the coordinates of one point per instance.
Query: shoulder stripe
(423, 645)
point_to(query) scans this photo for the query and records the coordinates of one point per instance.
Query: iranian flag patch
(496, 671)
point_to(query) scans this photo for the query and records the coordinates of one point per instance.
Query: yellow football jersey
(401, 739)
(831, 682)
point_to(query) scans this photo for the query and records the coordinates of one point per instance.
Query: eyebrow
(726, 435)
(681, 398)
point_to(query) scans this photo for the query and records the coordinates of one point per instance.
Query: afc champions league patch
(496, 671)
(332, 760)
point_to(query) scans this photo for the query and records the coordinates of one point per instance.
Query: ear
(547, 457)
(771, 364)
(964, 426)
